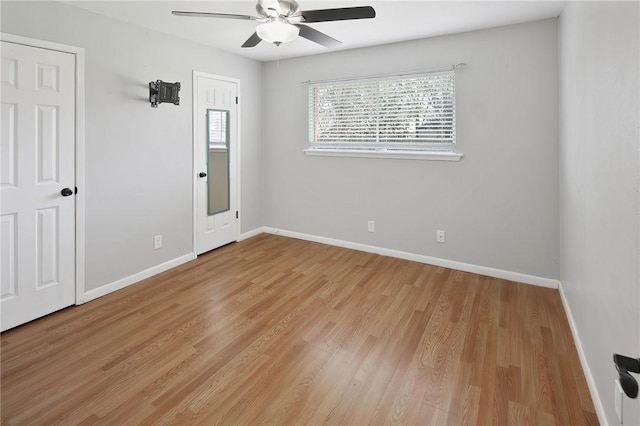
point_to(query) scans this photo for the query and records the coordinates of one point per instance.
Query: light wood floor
(281, 331)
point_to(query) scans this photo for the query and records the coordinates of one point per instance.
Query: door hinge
(236, 100)
(236, 214)
(76, 189)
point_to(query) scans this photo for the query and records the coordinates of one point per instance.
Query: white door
(37, 164)
(215, 127)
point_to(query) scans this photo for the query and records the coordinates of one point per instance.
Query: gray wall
(599, 182)
(498, 205)
(139, 159)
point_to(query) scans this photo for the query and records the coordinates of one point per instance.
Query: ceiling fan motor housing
(283, 8)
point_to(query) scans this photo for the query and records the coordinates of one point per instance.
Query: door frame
(79, 54)
(194, 136)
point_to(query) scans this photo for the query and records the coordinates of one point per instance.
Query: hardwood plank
(274, 330)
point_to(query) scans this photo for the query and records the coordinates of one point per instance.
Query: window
(408, 114)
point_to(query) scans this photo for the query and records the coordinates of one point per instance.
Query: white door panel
(215, 121)
(37, 223)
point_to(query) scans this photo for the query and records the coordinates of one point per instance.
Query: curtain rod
(432, 70)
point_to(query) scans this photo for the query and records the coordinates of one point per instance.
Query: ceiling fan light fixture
(277, 32)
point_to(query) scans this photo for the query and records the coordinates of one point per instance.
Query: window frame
(376, 149)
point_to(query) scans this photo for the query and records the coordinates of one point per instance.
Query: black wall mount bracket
(160, 92)
(625, 366)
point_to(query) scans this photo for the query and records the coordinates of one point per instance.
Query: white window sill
(217, 149)
(403, 155)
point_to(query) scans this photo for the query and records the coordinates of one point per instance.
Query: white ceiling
(395, 21)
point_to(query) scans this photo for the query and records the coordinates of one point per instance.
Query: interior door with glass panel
(216, 155)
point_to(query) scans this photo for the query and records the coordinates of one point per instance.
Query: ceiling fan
(282, 21)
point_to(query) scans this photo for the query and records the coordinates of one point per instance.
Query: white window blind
(217, 129)
(408, 113)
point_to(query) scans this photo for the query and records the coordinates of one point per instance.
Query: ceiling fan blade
(252, 41)
(317, 37)
(341, 14)
(214, 15)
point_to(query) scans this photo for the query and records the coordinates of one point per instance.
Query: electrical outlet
(440, 236)
(371, 226)
(618, 397)
(157, 242)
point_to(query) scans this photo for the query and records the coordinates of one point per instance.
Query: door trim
(194, 136)
(79, 54)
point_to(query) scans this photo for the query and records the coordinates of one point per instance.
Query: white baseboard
(451, 264)
(591, 383)
(132, 279)
(251, 233)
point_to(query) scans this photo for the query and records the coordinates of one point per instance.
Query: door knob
(66, 192)
(202, 174)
